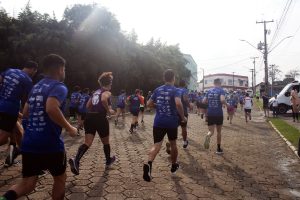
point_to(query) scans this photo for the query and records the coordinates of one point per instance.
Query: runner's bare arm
(150, 103)
(179, 107)
(25, 114)
(104, 99)
(55, 114)
(205, 100)
(222, 98)
(89, 104)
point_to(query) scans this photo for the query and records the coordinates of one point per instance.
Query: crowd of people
(32, 118)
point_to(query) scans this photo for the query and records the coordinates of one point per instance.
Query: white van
(250, 92)
(284, 102)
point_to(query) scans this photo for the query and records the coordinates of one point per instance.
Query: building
(229, 81)
(192, 66)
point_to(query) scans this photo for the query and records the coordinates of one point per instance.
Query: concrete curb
(286, 141)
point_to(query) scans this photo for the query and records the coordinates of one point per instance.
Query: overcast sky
(209, 30)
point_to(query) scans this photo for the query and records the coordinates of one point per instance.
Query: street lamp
(265, 53)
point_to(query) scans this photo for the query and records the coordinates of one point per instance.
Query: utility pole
(252, 72)
(273, 78)
(265, 54)
(254, 77)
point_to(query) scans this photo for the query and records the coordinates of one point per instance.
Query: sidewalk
(256, 164)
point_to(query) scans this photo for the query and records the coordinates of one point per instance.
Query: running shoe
(147, 173)
(142, 121)
(12, 155)
(110, 161)
(219, 151)
(74, 166)
(206, 142)
(185, 144)
(228, 118)
(130, 130)
(174, 168)
(201, 116)
(116, 122)
(168, 148)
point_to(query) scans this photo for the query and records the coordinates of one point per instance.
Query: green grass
(258, 104)
(291, 133)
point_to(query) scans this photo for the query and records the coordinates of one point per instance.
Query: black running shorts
(159, 134)
(214, 120)
(247, 110)
(142, 109)
(7, 122)
(82, 116)
(34, 163)
(96, 122)
(135, 112)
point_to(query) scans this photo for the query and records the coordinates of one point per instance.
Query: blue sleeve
(177, 93)
(222, 92)
(153, 96)
(59, 92)
(206, 95)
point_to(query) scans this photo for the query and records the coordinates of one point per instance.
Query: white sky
(209, 30)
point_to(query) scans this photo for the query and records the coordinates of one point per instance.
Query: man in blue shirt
(121, 106)
(74, 103)
(215, 98)
(134, 101)
(16, 84)
(82, 110)
(167, 100)
(43, 120)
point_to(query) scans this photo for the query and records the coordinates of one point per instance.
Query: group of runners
(42, 118)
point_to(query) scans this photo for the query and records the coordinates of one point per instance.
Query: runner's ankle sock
(106, 149)
(10, 195)
(81, 151)
(219, 146)
(150, 163)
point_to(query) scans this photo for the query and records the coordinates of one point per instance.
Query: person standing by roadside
(265, 99)
(295, 101)
(275, 107)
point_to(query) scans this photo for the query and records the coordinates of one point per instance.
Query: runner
(248, 106)
(42, 146)
(295, 101)
(241, 99)
(185, 103)
(202, 106)
(74, 103)
(168, 105)
(266, 98)
(231, 106)
(134, 102)
(142, 106)
(82, 110)
(275, 107)
(99, 106)
(16, 84)
(121, 106)
(215, 98)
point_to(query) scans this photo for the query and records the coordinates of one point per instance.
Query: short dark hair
(137, 91)
(122, 91)
(169, 75)
(53, 61)
(182, 83)
(217, 81)
(86, 90)
(105, 78)
(76, 88)
(31, 65)
(247, 94)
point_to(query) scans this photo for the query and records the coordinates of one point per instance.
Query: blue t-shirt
(166, 113)
(184, 92)
(232, 102)
(214, 101)
(84, 98)
(134, 102)
(16, 85)
(121, 101)
(200, 98)
(75, 98)
(42, 135)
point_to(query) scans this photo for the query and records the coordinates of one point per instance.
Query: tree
(294, 73)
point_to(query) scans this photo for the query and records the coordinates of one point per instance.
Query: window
(241, 82)
(229, 81)
(205, 82)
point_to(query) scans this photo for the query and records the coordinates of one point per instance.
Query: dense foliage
(90, 39)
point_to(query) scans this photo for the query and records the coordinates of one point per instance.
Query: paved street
(256, 164)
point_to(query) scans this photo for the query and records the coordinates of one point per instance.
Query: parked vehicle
(284, 102)
(250, 92)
